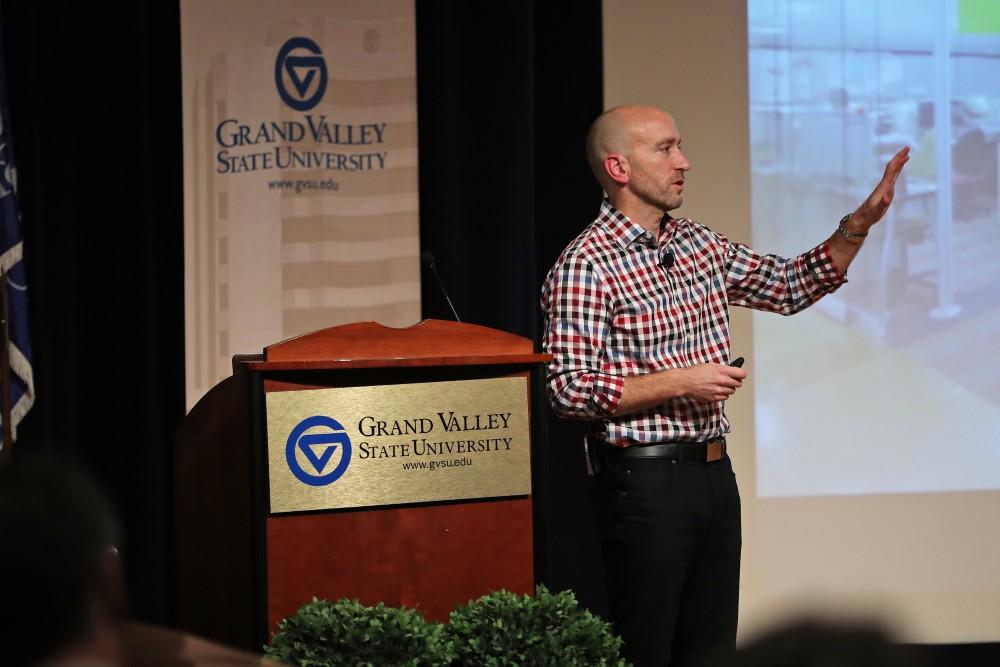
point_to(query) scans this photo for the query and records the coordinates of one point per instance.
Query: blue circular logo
(300, 63)
(318, 447)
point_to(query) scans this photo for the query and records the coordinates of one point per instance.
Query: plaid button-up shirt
(615, 306)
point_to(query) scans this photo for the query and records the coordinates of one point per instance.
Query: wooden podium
(242, 567)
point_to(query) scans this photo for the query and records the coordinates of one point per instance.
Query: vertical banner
(13, 276)
(300, 183)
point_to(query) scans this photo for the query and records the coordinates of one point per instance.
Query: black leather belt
(694, 452)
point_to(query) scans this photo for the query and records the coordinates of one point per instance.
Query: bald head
(616, 131)
(635, 154)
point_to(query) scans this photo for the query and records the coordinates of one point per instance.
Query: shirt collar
(624, 230)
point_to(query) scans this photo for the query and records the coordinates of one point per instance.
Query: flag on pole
(22, 389)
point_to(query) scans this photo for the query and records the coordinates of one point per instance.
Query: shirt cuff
(607, 392)
(819, 261)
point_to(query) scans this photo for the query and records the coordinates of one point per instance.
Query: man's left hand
(872, 210)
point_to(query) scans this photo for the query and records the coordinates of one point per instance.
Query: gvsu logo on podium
(318, 451)
(300, 73)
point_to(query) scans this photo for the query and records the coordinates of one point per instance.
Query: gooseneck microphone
(428, 259)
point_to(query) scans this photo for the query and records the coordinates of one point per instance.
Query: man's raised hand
(873, 208)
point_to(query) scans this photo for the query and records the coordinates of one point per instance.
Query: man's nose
(682, 163)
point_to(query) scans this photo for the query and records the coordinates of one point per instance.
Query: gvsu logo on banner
(300, 73)
(324, 447)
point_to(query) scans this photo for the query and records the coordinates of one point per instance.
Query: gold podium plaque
(397, 444)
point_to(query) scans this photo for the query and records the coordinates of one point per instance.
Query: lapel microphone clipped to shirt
(666, 257)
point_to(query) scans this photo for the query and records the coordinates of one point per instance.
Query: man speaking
(637, 321)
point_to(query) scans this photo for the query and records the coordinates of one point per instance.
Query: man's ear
(617, 168)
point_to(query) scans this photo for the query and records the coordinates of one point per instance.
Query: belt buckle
(715, 450)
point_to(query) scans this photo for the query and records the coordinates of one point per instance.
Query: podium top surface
(373, 345)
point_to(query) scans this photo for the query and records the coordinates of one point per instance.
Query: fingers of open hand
(876, 205)
(895, 165)
(882, 196)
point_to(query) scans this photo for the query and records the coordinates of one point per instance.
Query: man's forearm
(708, 383)
(642, 392)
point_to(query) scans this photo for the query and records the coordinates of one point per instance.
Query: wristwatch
(849, 236)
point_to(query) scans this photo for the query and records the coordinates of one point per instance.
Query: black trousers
(671, 538)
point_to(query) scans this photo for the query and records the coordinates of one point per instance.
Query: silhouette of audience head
(809, 642)
(60, 581)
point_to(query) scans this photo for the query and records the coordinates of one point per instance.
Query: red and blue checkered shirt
(615, 306)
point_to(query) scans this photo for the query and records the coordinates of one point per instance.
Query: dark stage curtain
(96, 115)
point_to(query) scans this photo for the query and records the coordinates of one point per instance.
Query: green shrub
(326, 634)
(549, 629)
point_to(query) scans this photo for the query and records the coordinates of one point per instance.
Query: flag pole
(8, 431)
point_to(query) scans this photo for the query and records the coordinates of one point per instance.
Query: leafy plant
(503, 629)
(327, 634)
